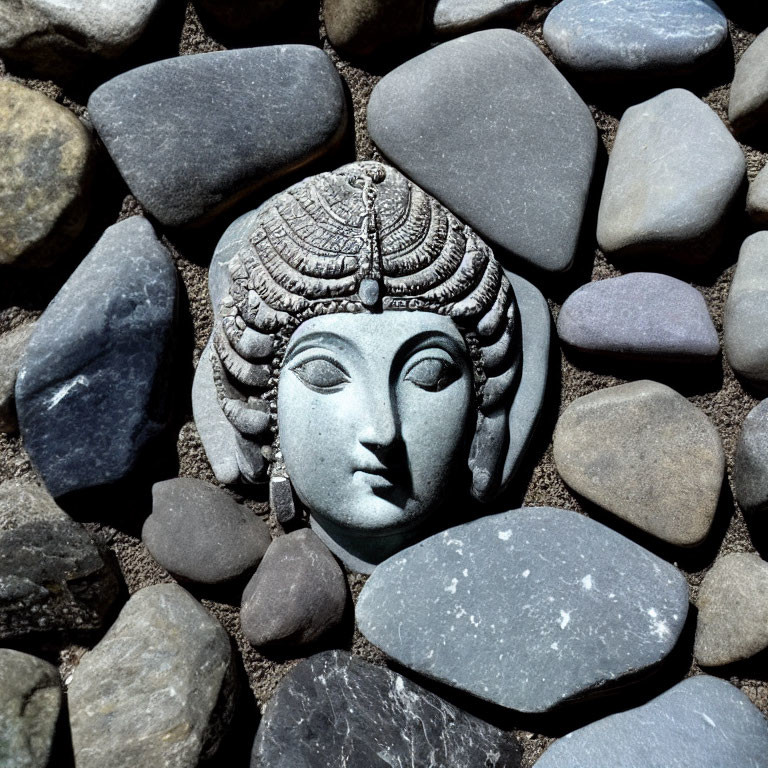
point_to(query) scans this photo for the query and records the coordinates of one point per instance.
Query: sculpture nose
(378, 422)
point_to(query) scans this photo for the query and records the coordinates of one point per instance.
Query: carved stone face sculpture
(368, 349)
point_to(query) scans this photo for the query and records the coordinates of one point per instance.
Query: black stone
(335, 709)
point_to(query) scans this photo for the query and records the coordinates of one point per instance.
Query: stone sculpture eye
(321, 374)
(433, 374)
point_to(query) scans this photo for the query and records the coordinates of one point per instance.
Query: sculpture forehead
(380, 335)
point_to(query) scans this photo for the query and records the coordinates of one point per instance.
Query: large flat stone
(91, 391)
(750, 464)
(745, 324)
(487, 125)
(748, 100)
(336, 709)
(702, 722)
(641, 315)
(645, 453)
(673, 175)
(45, 173)
(526, 609)
(157, 689)
(635, 38)
(194, 134)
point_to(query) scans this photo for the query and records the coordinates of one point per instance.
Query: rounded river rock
(750, 465)
(748, 100)
(526, 609)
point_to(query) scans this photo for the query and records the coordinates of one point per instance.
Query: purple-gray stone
(642, 315)
(335, 709)
(527, 609)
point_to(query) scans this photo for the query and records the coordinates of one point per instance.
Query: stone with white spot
(92, 388)
(748, 100)
(336, 709)
(702, 722)
(648, 455)
(527, 609)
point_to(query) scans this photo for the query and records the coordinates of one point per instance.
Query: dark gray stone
(732, 621)
(297, 594)
(642, 315)
(457, 17)
(361, 28)
(53, 577)
(702, 722)
(646, 454)
(242, 15)
(487, 125)
(745, 323)
(673, 175)
(511, 607)
(757, 199)
(30, 699)
(91, 391)
(12, 345)
(750, 465)
(157, 690)
(281, 499)
(635, 38)
(336, 709)
(45, 175)
(194, 134)
(200, 533)
(748, 100)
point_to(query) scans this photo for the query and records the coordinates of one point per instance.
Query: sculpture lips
(377, 479)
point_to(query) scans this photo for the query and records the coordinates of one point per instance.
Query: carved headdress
(362, 239)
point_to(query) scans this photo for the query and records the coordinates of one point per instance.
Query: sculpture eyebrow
(319, 339)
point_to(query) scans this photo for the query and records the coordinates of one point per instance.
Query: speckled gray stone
(194, 134)
(509, 607)
(53, 577)
(457, 17)
(635, 38)
(199, 532)
(732, 621)
(750, 464)
(157, 690)
(92, 389)
(702, 722)
(745, 323)
(645, 453)
(297, 594)
(487, 125)
(57, 36)
(642, 315)
(672, 177)
(30, 699)
(748, 101)
(12, 345)
(757, 198)
(336, 709)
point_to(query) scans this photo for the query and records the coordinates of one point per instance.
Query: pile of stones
(137, 594)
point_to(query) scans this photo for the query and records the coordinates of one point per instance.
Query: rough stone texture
(367, 27)
(641, 315)
(457, 17)
(156, 690)
(200, 533)
(508, 607)
(702, 722)
(733, 610)
(746, 312)
(750, 465)
(643, 452)
(45, 171)
(53, 577)
(297, 594)
(30, 699)
(54, 37)
(336, 709)
(672, 177)
(194, 134)
(12, 346)
(490, 127)
(91, 391)
(757, 198)
(748, 102)
(634, 38)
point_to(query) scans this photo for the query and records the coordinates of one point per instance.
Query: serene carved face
(373, 411)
